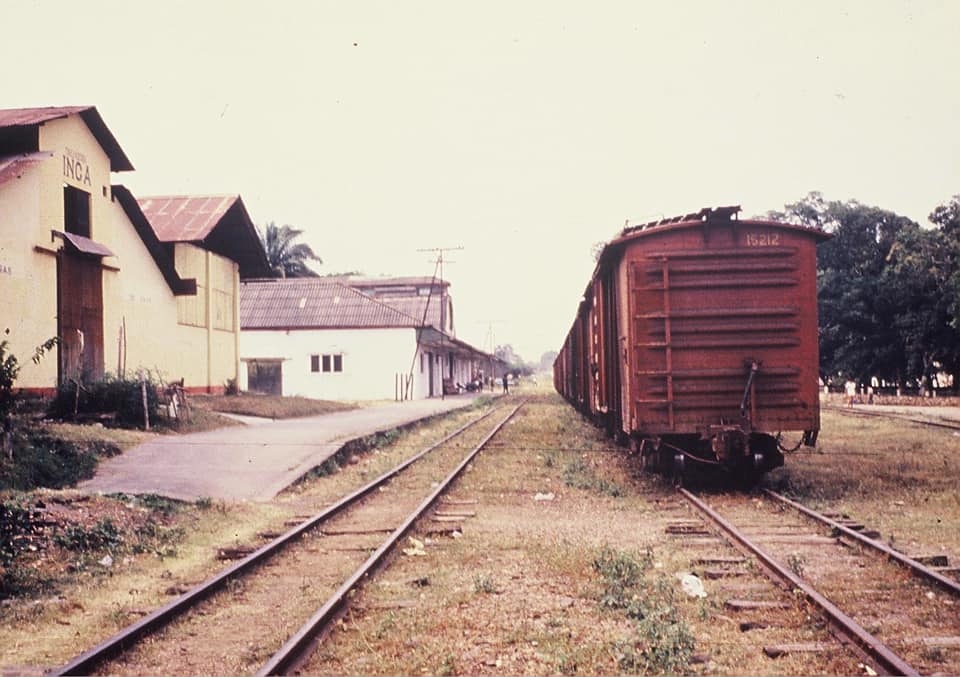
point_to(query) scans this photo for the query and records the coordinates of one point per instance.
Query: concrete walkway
(250, 462)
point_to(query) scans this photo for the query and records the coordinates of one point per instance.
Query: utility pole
(439, 251)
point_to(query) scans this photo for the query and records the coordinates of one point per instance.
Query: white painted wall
(371, 360)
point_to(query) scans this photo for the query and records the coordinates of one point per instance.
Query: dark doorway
(80, 316)
(265, 376)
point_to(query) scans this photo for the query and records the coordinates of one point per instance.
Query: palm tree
(287, 259)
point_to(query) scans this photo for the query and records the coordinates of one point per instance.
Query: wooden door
(80, 317)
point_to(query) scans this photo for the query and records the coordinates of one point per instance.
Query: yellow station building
(126, 284)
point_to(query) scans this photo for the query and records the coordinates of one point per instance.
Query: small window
(314, 363)
(338, 362)
(76, 211)
(326, 363)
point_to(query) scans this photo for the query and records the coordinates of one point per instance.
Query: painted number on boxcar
(763, 239)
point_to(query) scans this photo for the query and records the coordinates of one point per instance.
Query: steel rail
(297, 649)
(87, 662)
(913, 565)
(886, 659)
(893, 415)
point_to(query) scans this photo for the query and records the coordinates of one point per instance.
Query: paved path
(250, 462)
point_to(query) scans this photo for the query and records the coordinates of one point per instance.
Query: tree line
(888, 291)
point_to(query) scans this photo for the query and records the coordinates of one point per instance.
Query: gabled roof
(314, 303)
(220, 222)
(186, 218)
(160, 254)
(406, 294)
(24, 118)
(414, 306)
(389, 284)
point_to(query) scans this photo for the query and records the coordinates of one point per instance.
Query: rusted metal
(295, 651)
(703, 297)
(913, 565)
(88, 661)
(845, 625)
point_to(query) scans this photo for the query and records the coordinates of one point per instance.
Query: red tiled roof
(185, 218)
(32, 117)
(314, 303)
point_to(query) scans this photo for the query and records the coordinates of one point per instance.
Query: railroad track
(895, 613)
(292, 576)
(847, 411)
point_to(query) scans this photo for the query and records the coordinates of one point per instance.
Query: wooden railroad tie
(752, 605)
(778, 650)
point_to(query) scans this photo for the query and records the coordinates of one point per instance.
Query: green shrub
(104, 535)
(18, 524)
(9, 368)
(661, 642)
(41, 461)
(121, 398)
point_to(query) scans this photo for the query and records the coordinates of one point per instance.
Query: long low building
(350, 339)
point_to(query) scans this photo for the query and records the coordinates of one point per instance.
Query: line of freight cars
(696, 342)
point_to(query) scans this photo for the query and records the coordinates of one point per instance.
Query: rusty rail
(88, 661)
(298, 648)
(913, 565)
(848, 628)
(891, 414)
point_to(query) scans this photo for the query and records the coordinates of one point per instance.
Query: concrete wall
(372, 359)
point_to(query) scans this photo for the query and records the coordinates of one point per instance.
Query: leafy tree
(286, 257)
(861, 323)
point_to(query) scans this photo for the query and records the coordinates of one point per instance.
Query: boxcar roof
(706, 217)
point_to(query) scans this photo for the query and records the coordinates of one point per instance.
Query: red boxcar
(697, 340)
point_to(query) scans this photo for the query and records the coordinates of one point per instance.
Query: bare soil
(519, 592)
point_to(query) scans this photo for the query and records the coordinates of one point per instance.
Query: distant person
(506, 383)
(480, 379)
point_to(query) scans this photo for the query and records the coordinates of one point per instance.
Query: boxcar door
(80, 316)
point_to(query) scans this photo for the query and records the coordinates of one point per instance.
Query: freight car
(696, 343)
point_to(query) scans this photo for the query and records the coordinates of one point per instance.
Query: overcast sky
(524, 132)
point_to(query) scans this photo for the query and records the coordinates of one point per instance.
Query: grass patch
(267, 406)
(661, 641)
(579, 475)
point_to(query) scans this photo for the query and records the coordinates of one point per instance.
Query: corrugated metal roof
(26, 117)
(314, 303)
(32, 117)
(85, 245)
(160, 253)
(12, 167)
(388, 282)
(414, 307)
(185, 218)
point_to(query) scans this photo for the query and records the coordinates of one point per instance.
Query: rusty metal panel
(182, 218)
(707, 303)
